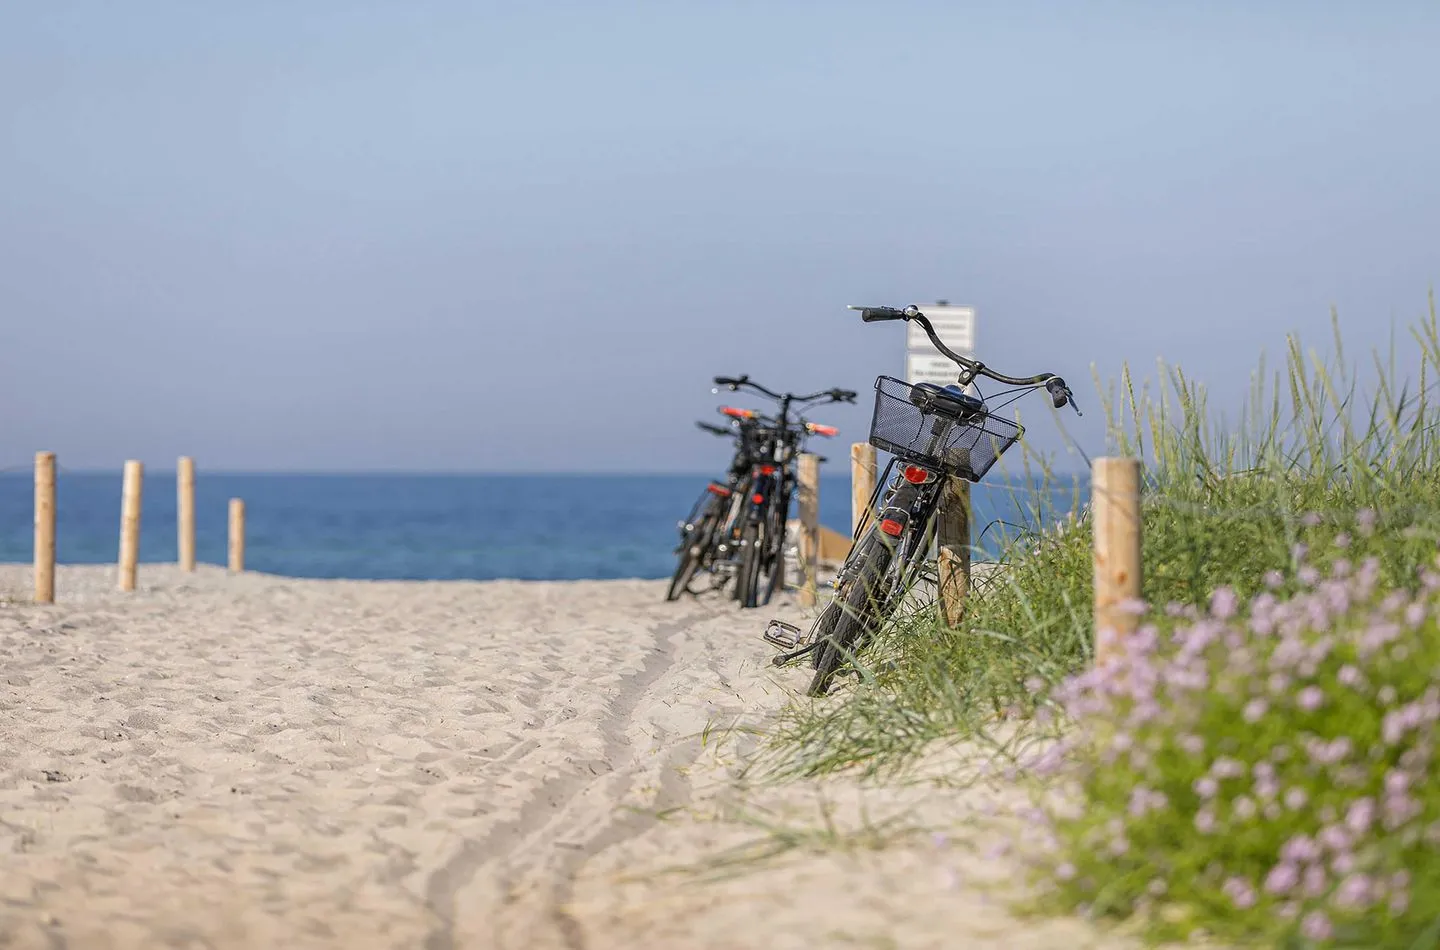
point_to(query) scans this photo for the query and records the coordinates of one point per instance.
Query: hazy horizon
(457, 238)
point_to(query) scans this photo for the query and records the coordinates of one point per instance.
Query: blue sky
(497, 236)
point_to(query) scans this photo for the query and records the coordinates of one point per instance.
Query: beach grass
(1330, 466)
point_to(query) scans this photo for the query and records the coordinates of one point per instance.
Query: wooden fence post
(44, 527)
(1115, 507)
(809, 484)
(130, 523)
(185, 513)
(862, 482)
(952, 539)
(237, 535)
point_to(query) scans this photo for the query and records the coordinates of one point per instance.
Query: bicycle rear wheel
(860, 609)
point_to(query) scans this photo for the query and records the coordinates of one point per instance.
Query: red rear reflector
(892, 527)
(720, 490)
(824, 430)
(767, 470)
(916, 475)
(758, 498)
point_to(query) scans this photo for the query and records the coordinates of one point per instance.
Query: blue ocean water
(439, 527)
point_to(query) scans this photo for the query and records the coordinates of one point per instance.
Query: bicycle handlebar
(1060, 393)
(735, 383)
(713, 429)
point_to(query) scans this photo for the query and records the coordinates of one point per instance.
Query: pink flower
(1354, 891)
(1206, 787)
(1241, 894)
(1223, 603)
(1205, 821)
(1296, 798)
(1310, 698)
(1300, 849)
(1348, 675)
(1274, 579)
(1316, 926)
(1360, 815)
(1255, 710)
(1282, 878)
(1065, 871)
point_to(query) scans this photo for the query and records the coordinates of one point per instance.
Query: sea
(434, 527)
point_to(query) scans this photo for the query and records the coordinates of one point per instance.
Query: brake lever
(1071, 397)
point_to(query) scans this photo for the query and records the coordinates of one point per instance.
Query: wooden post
(130, 523)
(1115, 505)
(862, 482)
(185, 513)
(44, 527)
(809, 479)
(952, 539)
(237, 535)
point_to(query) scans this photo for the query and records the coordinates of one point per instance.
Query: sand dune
(257, 761)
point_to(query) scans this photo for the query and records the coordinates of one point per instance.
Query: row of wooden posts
(1115, 510)
(130, 498)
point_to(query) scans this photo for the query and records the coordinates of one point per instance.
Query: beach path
(245, 761)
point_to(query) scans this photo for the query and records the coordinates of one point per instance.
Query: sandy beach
(250, 761)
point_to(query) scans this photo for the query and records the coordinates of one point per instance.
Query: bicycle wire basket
(966, 445)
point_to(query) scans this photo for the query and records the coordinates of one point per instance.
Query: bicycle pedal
(783, 635)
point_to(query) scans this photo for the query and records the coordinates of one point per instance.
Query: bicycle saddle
(948, 400)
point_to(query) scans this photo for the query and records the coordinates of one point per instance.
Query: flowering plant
(1261, 769)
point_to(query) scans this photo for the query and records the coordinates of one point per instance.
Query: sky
(521, 236)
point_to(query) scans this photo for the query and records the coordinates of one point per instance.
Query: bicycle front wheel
(695, 549)
(752, 557)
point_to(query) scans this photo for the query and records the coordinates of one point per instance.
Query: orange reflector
(734, 413)
(758, 498)
(892, 527)
(720, 490)
(823, 430)
(916, 475)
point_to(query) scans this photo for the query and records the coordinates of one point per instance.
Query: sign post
(955, 326)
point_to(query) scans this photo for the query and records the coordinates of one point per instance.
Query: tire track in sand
(538, 811)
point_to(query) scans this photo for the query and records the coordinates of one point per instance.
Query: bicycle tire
(691, 555)
(752, 542)
(856, 617)
(775, 542)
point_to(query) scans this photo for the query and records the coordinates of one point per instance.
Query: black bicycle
(760, 567)
(932, 433)
(709, 534)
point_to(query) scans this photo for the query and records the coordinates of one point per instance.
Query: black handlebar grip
(1059, 392)
(726, 381)
(872, 314)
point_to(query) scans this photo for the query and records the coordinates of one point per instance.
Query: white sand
(254, 761)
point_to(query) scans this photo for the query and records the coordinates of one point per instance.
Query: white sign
(955, 326)
(930, 368)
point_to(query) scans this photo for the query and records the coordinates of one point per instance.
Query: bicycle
(708, 533)
(932, 433)
(762, 534)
